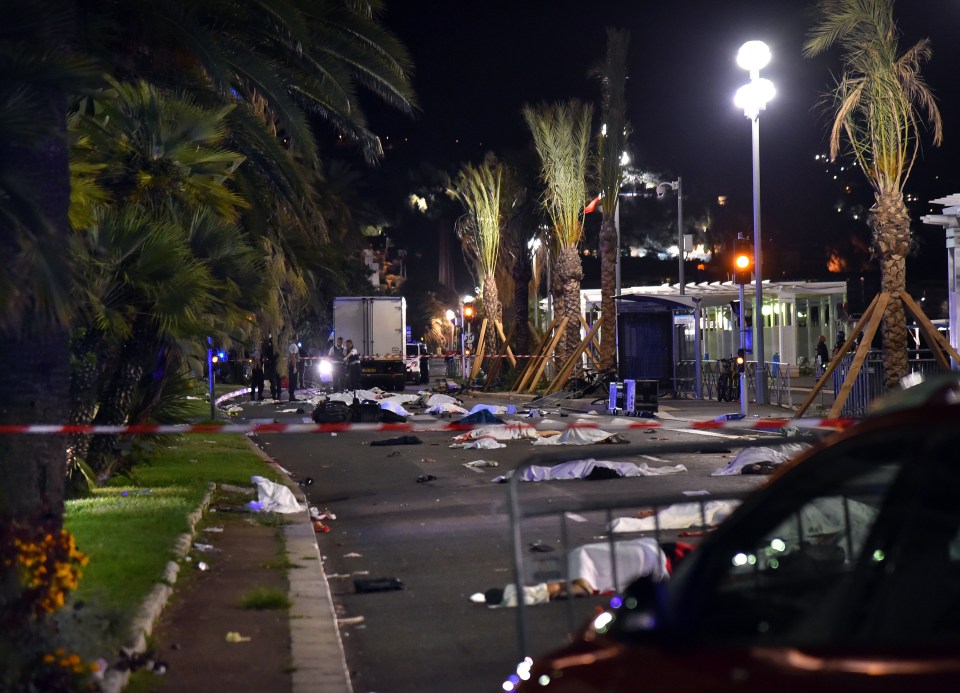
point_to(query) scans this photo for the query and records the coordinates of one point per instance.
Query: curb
(316, 650)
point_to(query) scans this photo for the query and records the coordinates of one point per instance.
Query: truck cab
(414, 351)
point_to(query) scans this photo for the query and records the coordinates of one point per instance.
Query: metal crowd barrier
(563, 521)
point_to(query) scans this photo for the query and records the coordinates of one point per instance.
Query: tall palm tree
(880, 102)
(611, 145)
(561, 136)
(480, 190)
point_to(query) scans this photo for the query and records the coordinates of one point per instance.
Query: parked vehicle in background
(415, 350)
(843, 573)
(377, 325)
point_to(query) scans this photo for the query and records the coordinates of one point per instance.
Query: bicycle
(727, 389)
(591, 382)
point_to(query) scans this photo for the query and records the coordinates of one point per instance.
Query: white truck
(377, 325)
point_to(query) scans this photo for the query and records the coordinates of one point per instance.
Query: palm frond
(561, 135)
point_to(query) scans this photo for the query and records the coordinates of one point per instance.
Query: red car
(841, 574)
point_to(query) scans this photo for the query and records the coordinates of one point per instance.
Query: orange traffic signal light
(468, 312)
(742, 261)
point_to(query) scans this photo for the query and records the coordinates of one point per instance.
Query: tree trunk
(116, 399)
(493, 311)
(608, 289)
(36, 353)
(521, 302)
(88, 356)
(891, 239)
(567, 275)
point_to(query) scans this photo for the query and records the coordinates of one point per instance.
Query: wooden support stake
(478, 355)
(506, 341)
(835, 361)
(564, 375)
(595, 342)
(497, 365)
(524, 376)
(547, 352)
(933, 335)
(860, 356)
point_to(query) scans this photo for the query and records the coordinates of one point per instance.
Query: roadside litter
(234, 636)
(400, 440)
(591, 470)
(367, 585)
(424, 478)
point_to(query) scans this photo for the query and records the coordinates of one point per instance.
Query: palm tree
(611, 145)
(880, 101)
(561, 136)
(161, 259)
(480, 189)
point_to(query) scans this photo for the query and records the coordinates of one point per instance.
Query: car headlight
(325, 367)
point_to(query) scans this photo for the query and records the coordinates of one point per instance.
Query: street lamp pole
(677, 186)
(753, 98)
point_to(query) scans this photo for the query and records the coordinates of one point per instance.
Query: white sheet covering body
(635, 558)
(275, 498)
(580, 469)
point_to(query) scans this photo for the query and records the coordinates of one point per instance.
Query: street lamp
(451, 318)
(677, 186)
(752, 98)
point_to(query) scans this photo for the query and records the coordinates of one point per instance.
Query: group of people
(266, 370)
(346, 368)
(346, 365)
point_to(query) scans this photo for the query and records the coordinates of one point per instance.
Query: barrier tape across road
(616, 424)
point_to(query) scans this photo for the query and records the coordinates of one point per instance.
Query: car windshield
(856, 561)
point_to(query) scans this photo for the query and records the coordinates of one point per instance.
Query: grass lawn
(129, 527)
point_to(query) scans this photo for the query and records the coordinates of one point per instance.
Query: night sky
(478, 63)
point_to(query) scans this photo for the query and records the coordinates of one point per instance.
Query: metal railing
(869, 383)
(777, 374)
(564, 523)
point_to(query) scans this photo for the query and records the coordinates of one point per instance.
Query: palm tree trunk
(568, 272)
(521, 302)
(608, 289)
(115, 403)
(493, 310)
(891, 238)
(88, 356)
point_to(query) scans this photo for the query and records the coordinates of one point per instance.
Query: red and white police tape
(617, 424)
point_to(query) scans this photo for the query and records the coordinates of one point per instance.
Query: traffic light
(468, 312)
(741, 360)
(742, 261)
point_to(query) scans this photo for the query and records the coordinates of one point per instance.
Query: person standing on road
(301, 364)
(257, 378)
(293, 360)
(352, 361)
(270, 367)
(822, 355)
(336, 353)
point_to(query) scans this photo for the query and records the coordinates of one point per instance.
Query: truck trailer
(377, 325)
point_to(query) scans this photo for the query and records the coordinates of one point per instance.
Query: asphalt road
(448, 538)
